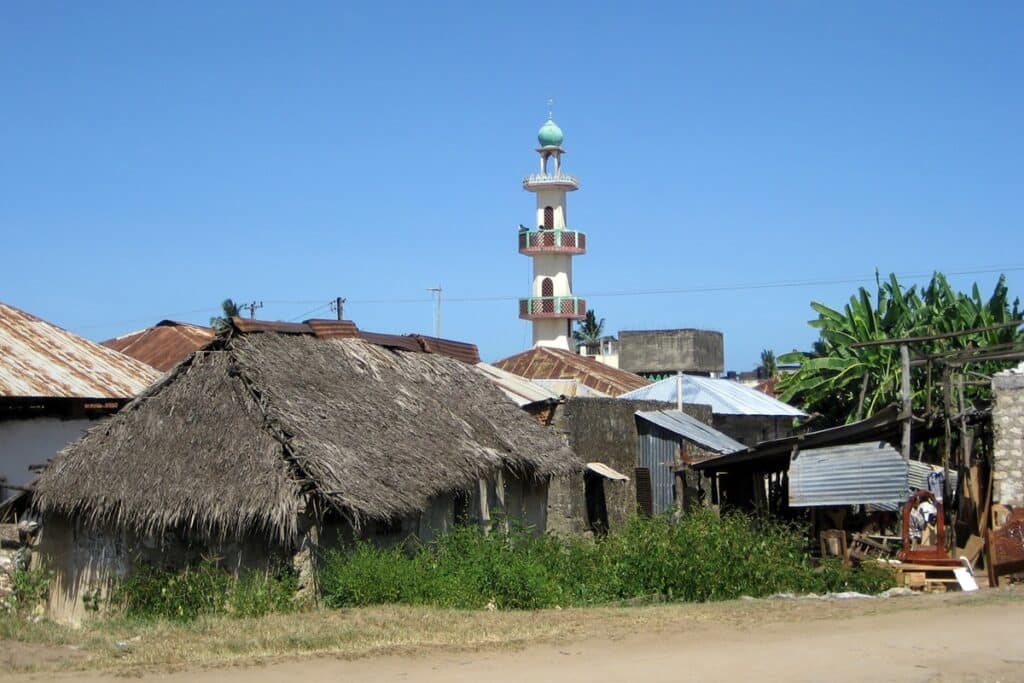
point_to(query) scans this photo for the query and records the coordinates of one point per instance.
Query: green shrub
(201, 589)
(29, 589)
(701, 557)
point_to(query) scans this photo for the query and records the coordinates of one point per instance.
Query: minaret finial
(551, 103)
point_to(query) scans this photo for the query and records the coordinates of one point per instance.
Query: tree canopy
(833, 376)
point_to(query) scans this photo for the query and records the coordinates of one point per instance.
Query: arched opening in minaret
(549, 218)
(547, 290)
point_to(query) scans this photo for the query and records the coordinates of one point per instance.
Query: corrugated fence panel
(658, 454)
(848, 475)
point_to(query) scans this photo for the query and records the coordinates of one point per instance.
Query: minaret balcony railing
(552, 242)
(540, 181)
(543, 307)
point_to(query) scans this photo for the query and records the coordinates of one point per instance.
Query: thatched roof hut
(246, 432)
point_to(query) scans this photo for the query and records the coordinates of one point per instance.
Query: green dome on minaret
(550, 135)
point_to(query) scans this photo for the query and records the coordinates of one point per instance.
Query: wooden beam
(905, 398)
(933, 337)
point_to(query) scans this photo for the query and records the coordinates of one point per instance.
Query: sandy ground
(965, 640)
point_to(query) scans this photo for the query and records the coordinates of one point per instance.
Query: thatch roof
(240, 434)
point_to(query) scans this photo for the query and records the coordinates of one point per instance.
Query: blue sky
(156, 158)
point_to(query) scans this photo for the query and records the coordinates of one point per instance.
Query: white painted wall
(556, 200)
(33, 441)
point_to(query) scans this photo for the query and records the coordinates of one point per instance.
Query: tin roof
(692, 429)
(725, 396)
(519, 389)
(853, 474)
(543, 362)
(40, 360)
(164, 345)
(346, 329)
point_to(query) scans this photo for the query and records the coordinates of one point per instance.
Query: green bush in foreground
(701, 557)
(202, 589)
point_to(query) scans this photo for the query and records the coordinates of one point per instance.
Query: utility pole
(339, 305)
(251, 307)
(437, 309)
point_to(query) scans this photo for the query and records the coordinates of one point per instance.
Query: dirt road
(975, 641)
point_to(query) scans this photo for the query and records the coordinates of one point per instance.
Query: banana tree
(842, 381)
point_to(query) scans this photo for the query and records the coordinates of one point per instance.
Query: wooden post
(485, 510)
(947, 399)
(863, 395)
(499, 489)
(908, 411)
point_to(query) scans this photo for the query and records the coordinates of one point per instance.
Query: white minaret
(551, 306)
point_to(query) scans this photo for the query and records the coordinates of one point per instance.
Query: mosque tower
(551, 305)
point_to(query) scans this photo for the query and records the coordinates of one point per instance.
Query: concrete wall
(749, 430)
(669, 351)
(601, 430)
(1008, 421)
(33, 442)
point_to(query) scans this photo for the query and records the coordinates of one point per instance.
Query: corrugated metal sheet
(164, 345)
(917, 476)
(542, 362)
(606, 472)
(464, 351)
(39, 359)
(854, 474)
(519, 389)
(692, 429)
(569, 387)
(660, 456)
(725, 396)
(346, 329)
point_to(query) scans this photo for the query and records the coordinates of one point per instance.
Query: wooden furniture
(933, 555)
(833, 544)
(1004, 548)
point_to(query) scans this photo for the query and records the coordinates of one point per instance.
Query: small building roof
(40, 360)
(519, 389)
(725, 396)
(546, 363)
(239, 436)
(692, 429)
(163, 345)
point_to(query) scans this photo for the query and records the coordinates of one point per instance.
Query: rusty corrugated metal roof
(164, 345)
(542, 362)
(40, 360)
(346, 329)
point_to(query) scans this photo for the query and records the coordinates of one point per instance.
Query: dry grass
(134, 647)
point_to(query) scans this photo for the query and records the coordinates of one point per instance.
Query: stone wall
(671, 351)
(601, 430)
(750, 430)
(1008, 421)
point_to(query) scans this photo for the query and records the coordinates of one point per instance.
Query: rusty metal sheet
(464, 351)
(164, 345)
(547, 363)
(392, 341)
(39, 359)
(334, 329)
(250, 325)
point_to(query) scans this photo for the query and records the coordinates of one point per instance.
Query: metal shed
(668, 438)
